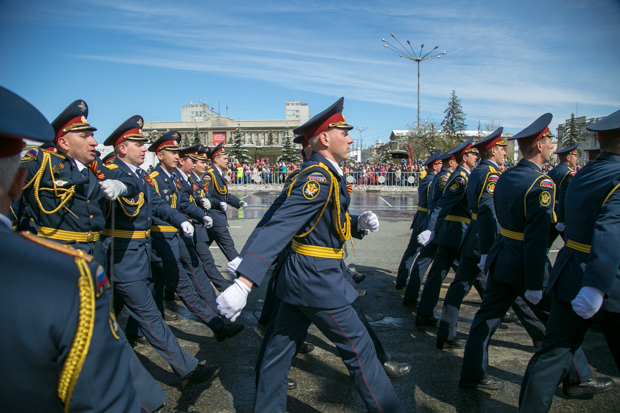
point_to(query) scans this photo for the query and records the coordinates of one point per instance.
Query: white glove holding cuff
(206, 204)
(426, 237)
(233, 300)
(560, 226)
(187, 228)
(243, 204)
(112, 188)
(483, 260)
(233, 265)
(207, 221)
(223, 206)
(368, 220)
(588, 302)
(533, 297)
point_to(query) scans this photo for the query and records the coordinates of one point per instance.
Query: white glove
(232, 266)
(560, 226)
(223, 206)
(533, 297)
(425, 237)
(243, 204)
(368, 220)
(588, 302)
(188, 229)
(483, 260)
(207, 221)
(206, 204)
(232, 300)
(112, 188)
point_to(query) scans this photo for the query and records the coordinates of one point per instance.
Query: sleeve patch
(460, 180)
(493, 178)
(102, 281)
(317, 176)
(491, 187)
(546, 183)
(545, 198)
(454, 187)
(311, 189)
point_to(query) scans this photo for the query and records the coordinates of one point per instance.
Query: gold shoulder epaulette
(65, 249)
(153, 174)
(56, 154)
(492, 169)
(112, 166)
(463, 174)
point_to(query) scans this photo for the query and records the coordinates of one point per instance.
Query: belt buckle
(90, 237)
(147, 233)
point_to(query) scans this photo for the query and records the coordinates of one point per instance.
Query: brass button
(91, 217)
(148, 233)
(90, 237)
(88, 201)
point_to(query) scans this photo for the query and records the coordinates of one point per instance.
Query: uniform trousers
(552, 363)
(223, 239)
(553, 234)
(469, 274)
(407, 261)
(195, 270)
(139, 302)
(343, 327)
(421, 264)
(220, 283)
(445, 258)
(496, 300)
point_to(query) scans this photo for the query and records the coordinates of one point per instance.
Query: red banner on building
(219, 137)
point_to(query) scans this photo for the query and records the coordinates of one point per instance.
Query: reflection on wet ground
(396, 205)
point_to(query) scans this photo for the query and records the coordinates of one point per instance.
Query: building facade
(587, 139)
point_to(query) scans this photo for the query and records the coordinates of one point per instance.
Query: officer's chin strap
(113, 324)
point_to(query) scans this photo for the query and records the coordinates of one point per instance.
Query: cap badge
(82, 106)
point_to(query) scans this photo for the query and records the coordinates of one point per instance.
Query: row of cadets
(130, 254)
(562, 175)
(433, 166)
(217, 189)
(70, 358)
(67, 192)
(517, 263)
(312, 286)
(427, 252)
(200, 197)
(449, 219)
(476, 243)
(585, 280)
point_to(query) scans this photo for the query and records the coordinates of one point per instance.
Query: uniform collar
(461, 169)
(320, 158)
(444, 169)
(163, 170)
(79, 165)
(182, 174)
(489, 162)
(530, 164)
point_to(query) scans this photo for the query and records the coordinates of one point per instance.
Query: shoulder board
(463, 174)
(546, 183)
(111, 166)
(491, 169)
(448, 174)
(210, 170)
(65, 249)
(153, 174)
(56, 154)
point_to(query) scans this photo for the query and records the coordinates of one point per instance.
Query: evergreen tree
(571, 137)
(196, 140)
(288, 151)
(237, 151)
(270, 138)
(424, 140)
(185, 140)
(453, 124)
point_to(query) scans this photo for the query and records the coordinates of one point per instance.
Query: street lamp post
(360, 130)
(411, 55)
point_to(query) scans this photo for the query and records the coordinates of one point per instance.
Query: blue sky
(508, 62)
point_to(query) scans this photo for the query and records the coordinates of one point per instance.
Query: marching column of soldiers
(92, 237)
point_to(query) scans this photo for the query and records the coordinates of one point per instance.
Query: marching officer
(517, 263)
(427, 253)
(585, 280)
(68, 359)
(131, 252)
(449, 220)
(593, 153)
(433, 165)
(562, 175)
(217, 190)
(312, 286)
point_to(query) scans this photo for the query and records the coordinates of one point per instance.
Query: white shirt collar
(166, 172)
(336, 166)
(183, 174)
(79, 165)
(6, 221)
(131, 167)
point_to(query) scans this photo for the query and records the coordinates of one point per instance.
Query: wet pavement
(323, 381)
